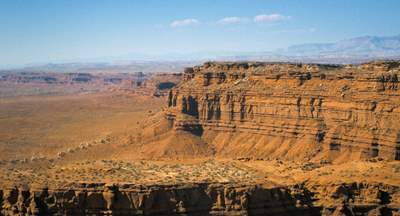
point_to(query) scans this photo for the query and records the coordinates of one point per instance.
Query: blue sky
(34, 31)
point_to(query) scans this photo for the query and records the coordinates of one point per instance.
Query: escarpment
(291, 111)
(198, 199)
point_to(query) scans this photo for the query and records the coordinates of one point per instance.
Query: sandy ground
(46, 125)
(142, 172)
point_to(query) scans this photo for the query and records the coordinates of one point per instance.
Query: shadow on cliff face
(198, 199)
(196, 130)
(165, 85)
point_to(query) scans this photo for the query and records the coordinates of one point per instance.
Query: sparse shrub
(61, 155)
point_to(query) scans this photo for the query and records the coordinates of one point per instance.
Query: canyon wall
(291, 111)
(199, 199)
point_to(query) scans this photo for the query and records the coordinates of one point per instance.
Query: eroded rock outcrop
(359, 199)
(196, 199)
(199, 199)
(291, 111)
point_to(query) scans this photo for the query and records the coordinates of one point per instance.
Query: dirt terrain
(43, 114)
(45, 125)
(230, 139)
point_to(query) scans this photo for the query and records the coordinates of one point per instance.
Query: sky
(40, 31)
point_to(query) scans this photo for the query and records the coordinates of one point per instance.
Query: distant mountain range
(349, 51)
(372, 46)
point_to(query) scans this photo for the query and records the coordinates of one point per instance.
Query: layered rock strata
(199, 199)
(291, 111)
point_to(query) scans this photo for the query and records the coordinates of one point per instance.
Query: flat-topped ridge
(281, 66)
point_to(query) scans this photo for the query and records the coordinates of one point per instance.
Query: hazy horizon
(49, 31)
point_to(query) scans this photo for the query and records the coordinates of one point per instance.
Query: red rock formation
(198, 199)
(292, 111)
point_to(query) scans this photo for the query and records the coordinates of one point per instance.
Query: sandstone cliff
(199, 199)
(291, 111)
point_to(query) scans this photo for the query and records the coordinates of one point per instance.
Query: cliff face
(198, 199)
(291, 111)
